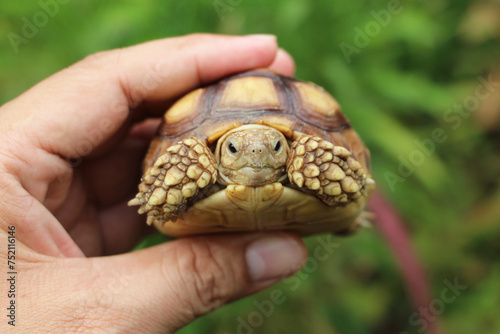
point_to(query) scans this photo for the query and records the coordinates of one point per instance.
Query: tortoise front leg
(175, 177)
(328, 171)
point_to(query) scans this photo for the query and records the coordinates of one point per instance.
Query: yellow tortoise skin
(255, 151)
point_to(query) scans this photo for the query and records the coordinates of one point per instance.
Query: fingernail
(266, 37)
(274, 257)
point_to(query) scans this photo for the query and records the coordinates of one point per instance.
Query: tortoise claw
(134, 201)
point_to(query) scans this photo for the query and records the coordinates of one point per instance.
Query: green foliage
(397, 88)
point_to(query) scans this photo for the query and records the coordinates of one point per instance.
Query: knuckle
(96, 58)
(100, 60)
(207, 274)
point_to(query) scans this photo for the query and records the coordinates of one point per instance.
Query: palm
(94, 211)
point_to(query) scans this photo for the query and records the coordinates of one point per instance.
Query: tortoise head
(252, 155)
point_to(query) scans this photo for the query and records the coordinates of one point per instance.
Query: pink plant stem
(392, 228)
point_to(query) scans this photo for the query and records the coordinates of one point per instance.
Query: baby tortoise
(255, 151)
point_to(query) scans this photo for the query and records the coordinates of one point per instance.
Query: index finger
(77, 109)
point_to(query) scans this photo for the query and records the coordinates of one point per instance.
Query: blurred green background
(402, 71)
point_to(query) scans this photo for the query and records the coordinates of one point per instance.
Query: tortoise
(255, 151)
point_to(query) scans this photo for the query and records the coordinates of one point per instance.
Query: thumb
(169, 285)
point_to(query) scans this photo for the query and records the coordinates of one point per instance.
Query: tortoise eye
(277, 146)
(232, 148)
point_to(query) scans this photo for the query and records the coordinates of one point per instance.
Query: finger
(146, 130)
(90, 100)
(122, 228)
(35, 226)
(113, 177)
(283, 63)
(181, 280)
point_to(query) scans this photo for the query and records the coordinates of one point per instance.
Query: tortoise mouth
(255, 170)
(251, 175)
(260, 175)
(257, 166)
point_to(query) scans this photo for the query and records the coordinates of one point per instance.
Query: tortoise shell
(257, 97)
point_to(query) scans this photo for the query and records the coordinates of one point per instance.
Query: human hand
(70, 153)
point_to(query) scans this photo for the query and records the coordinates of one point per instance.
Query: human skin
(70, 155)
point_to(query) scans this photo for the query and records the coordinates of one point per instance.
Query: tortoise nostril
(260, 150)
(257, 148)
